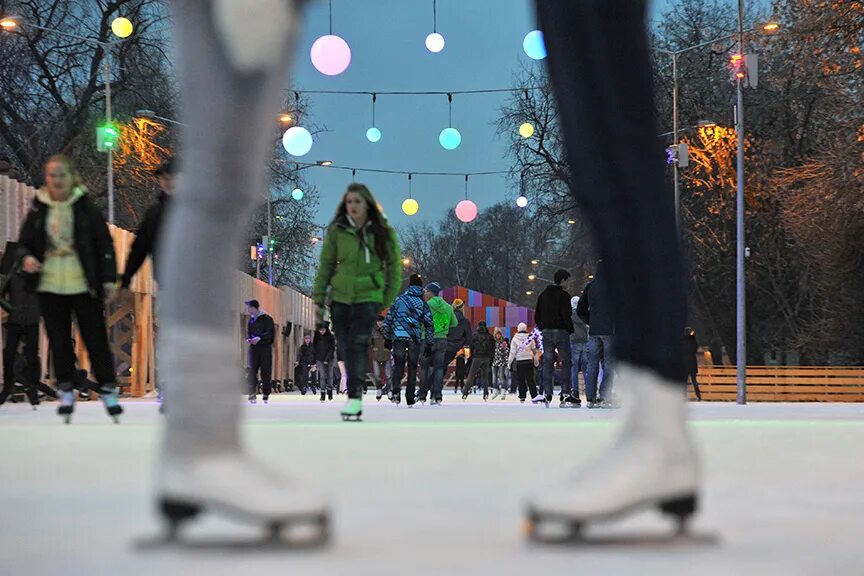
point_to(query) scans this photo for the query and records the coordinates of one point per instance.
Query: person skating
(458, 338)
(303, 365)
(233, 74)
(69, 254)
(260, 333)
(523, 352)
(460, 372)
(611, 144)
(500, 372)
(594, 309)
(578, 349)
(408, 326)
(360, 262)
(22, 324)
(691, 353)
(482, 350)
(324, 346)
(432, 364)
(381, 360)
(553, 318)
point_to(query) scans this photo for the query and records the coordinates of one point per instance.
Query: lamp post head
(9, 22)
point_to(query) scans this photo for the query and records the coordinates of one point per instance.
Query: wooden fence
(783, 384)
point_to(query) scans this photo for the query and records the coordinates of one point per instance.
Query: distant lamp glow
(373, 134)
(534, 46)
(121, 27)
(521, 201)
(406, 261)
(330, 55)
(285, 118)
(529, 292)
(526, 130)
(324, 162)
(466, 211)
(535, 261)
(8, 24)
(297, 194)
(297, 141)
(770, 27)
(571, 221)
(410, 207)
(435, 42)
(532, 277)
(450, 138)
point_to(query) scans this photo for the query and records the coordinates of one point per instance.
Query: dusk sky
(483, 50)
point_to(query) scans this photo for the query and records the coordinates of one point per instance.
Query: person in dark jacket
(260, 334)
(23, 324)
(459, 336)
(69, 255)
(482, 350)
(578, 348)
(406, 327)
(382, 366)
(303, 365)
(594, 310)
(147, 236)
(324, 345)
(553, 317)
(691, 351)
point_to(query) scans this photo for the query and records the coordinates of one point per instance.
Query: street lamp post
(10, 22)
(741, 312)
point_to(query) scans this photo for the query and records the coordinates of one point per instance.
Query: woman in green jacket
(360, 266)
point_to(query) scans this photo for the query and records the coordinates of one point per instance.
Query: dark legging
(14, 334)
(525, 378)
(352, 324)
(598, 60)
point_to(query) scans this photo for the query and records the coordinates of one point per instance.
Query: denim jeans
(556, 340)
(404, 351)
(599, 350)
(352, 324)
(578, 363)
(325, 376)
(432, 371)
(501, 378)
(381, 372)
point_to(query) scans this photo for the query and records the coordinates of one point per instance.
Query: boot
(67, 405)
(653, 463)
(330, 394)
(186, 487)
(112, 406)
(353, 410)
(323, 396)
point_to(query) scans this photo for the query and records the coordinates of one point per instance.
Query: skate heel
(681, 509)
(176, 513)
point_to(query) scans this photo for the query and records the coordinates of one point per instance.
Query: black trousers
(352, 324)
(599, 64)
(14, 334)
(89, 312)
(525, 378)
(260, 360)
(481, 367)
(405, 352)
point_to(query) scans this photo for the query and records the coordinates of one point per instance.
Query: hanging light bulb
(330, 54)
(410, 206)
(435, 41)
(522, 201)
(534, 46)
(526, 130)
(450, 138)
(373, 134)
(297, 141)
(297, 194)
(466, 210)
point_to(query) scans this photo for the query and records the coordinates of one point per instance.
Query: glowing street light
(529, 292)
(406, 262)
(121, 27)
(286, 118)
(535, 262)
(8, 23)
(770, 27)
(532, 277)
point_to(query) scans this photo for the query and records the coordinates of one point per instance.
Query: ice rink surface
(438, 491)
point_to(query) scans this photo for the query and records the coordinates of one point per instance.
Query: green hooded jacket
(352, 269)
(443, 316)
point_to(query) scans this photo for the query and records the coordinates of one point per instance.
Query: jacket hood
(482, 330)
(45, 197)
(438, 304)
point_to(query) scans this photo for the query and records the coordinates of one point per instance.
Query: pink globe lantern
(330, 55)
(466, 211)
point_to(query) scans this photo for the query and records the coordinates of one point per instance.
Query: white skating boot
(653, 463)
(236, 486)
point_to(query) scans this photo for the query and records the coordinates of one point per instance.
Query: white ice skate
(652, 464)
(188, 487)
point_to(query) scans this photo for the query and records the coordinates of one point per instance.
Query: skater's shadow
(230, 545)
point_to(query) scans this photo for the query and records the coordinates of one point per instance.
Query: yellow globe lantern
(410, 206)
(121, 27)
(526, 130)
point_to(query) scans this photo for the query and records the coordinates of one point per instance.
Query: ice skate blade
(554, 528)
(314, 528)
(352, 417)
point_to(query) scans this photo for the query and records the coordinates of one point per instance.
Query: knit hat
(434, 287)
(458, 304)
(522, 327)
(415, 280)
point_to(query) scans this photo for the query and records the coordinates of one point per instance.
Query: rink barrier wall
(783, 384)
(133, 322)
